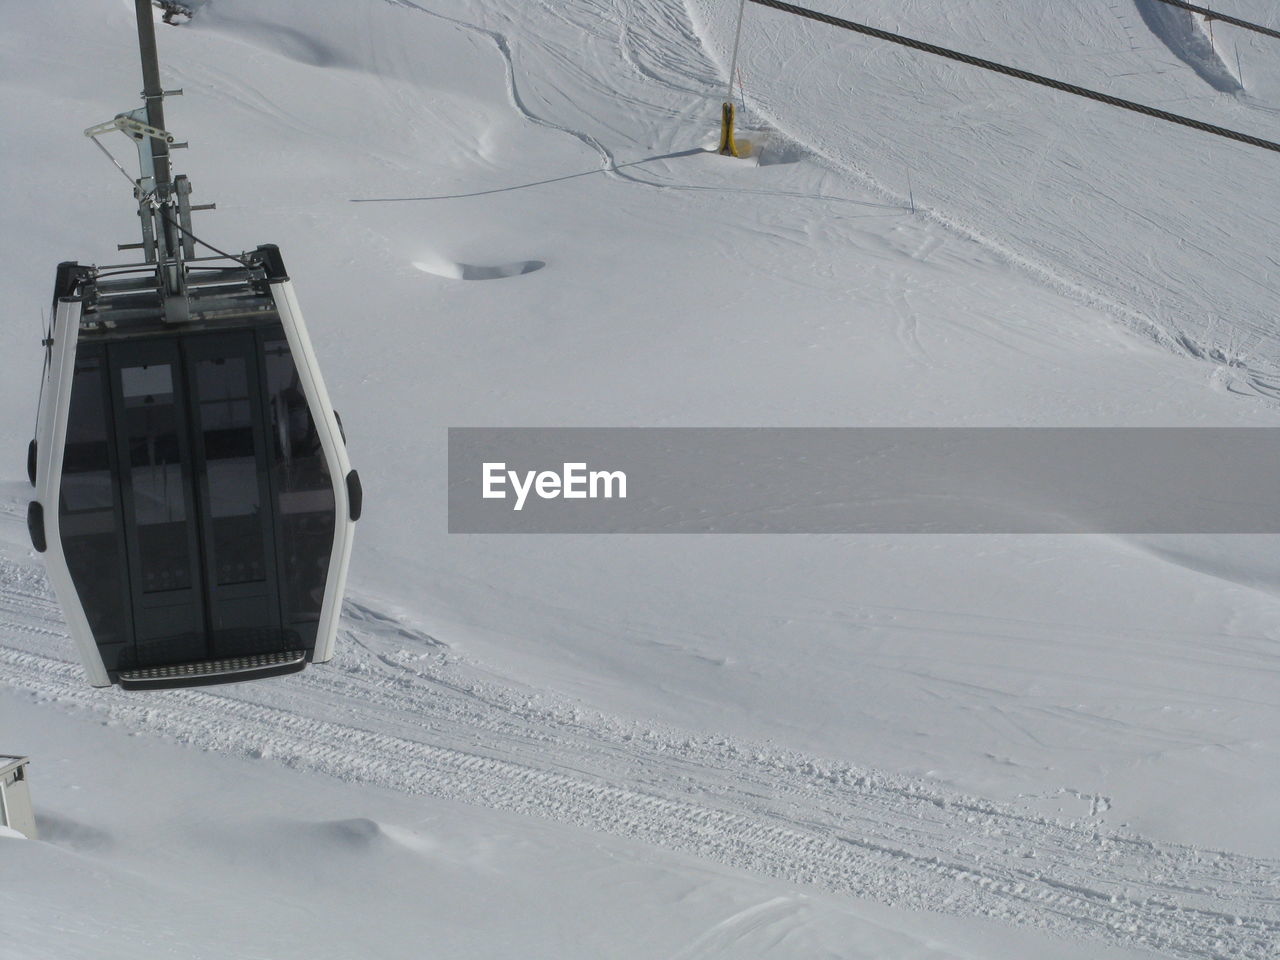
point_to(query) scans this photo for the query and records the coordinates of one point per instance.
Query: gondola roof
(130, 300)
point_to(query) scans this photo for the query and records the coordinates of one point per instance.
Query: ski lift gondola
(194, 500)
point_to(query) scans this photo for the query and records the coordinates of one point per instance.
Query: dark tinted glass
(159, 492)
(90, 531)
(303, 487)
(226, 431)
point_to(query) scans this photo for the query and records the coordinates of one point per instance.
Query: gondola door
(198, 530)
(233, 495)
(161, 528)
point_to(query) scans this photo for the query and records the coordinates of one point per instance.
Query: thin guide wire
(737, 39)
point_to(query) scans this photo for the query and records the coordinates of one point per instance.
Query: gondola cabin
(195, 503)
(194, 500)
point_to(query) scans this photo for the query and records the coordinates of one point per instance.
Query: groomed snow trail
(398, 710)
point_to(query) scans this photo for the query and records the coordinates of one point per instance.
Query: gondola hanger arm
(133, 128)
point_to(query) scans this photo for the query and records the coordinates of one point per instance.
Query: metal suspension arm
(153, 94)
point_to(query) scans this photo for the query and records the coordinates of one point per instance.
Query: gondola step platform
(202, 672)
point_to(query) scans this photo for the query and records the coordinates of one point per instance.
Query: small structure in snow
(173, 10)
(15, 798)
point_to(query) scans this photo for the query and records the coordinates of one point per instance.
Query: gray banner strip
(864, 480)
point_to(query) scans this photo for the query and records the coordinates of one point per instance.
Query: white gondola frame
(55, 409)
(336, 459)
(55, 406)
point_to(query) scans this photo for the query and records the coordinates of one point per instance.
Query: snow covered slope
(399, 714)
(978, 746)
(1168, 228)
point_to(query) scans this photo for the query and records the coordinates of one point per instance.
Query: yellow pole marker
(728, 146)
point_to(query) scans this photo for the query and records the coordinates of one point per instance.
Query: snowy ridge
(418, 720)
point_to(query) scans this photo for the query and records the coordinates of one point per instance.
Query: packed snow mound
(274, 37)
(291, 840)
(71, 833)
(353, 832)
(1186, 35)
(472, 271)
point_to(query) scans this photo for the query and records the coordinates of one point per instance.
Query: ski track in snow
(397, 710)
